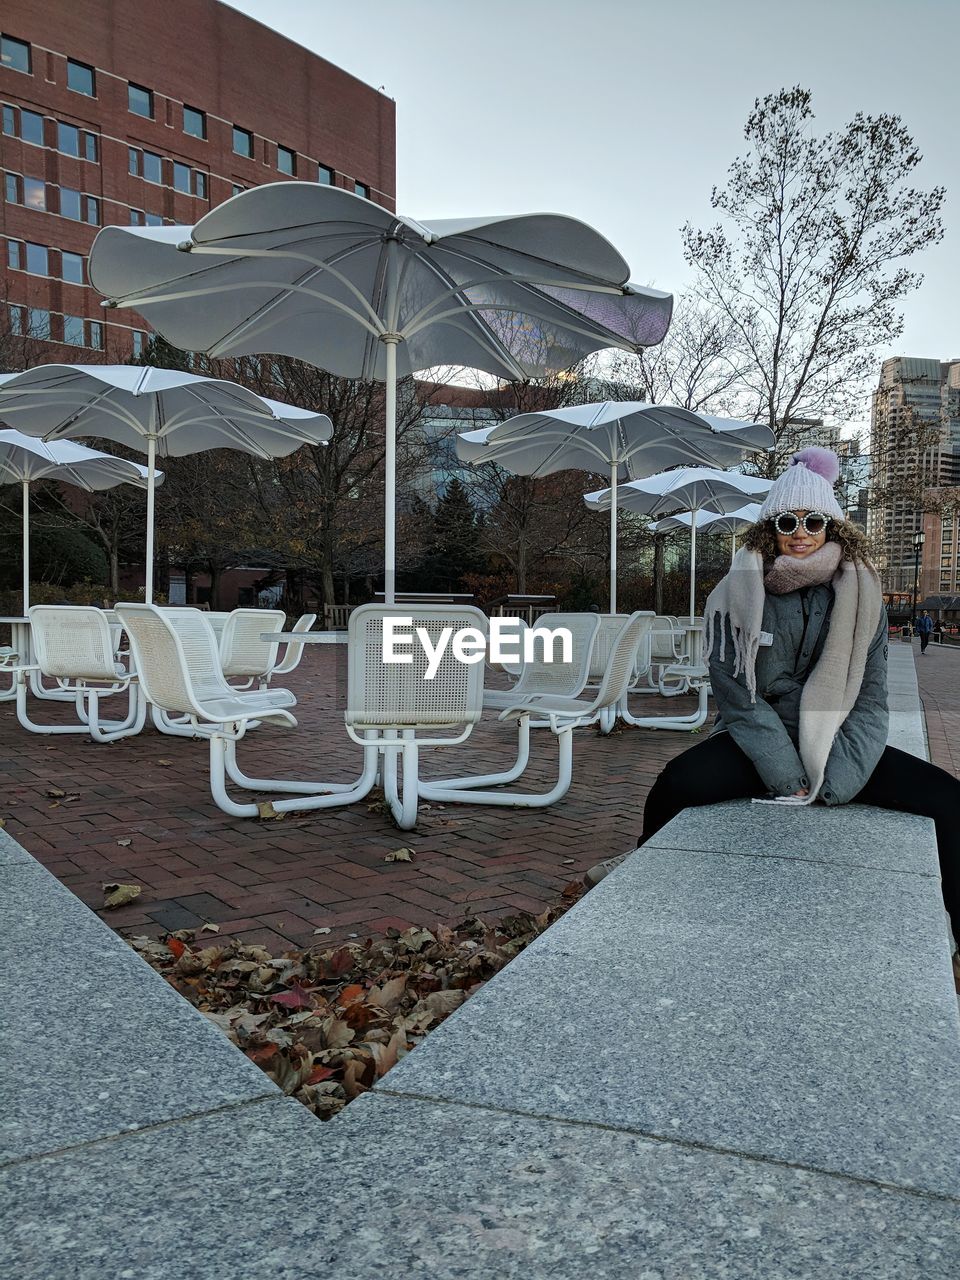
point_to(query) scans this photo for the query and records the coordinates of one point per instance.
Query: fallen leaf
(567, 862)
(163, 763)
(55, 793)
(399, 855)
(118, 895)
(325, 929)
(209, 927)
(125, 841)
(295, 998)
(177, 947)
(266, 811)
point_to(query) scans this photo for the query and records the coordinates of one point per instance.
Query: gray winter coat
(767, 730)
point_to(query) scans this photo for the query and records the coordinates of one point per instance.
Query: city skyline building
(119, 113)
(915, 448)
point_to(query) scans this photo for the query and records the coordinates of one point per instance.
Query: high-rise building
(147, 114)
(915, 447)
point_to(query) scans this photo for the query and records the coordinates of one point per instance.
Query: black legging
(716, 770)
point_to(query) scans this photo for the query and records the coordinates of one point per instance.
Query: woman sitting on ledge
(797, 644)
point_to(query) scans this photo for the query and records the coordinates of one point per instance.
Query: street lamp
(917, 548)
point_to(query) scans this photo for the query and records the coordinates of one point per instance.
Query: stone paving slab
(400, 1188)
(723, 1001)
(844, 835)
(93, 1042)
(12, 853)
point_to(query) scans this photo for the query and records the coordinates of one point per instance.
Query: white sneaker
(603, 869)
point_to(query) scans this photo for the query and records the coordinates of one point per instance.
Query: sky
(625, 113)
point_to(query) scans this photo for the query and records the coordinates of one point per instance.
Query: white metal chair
(692, 676)
(393, 711)
(176, 654)
(243, 654)
(293, 651)
(564, 714)
(75, 645)
(540, 678)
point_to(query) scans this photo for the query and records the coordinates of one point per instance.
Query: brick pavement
(277, 882)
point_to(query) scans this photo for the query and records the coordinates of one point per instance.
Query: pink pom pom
(823, 462)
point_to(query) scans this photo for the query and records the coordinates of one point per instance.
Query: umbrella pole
(390, 477)
(693, 560)
(26, 546)
(733, 548)
(613, 537)
(151, 477)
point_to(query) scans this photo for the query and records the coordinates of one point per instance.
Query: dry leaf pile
(324, 1025)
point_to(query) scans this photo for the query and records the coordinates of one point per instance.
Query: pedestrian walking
(925, 628)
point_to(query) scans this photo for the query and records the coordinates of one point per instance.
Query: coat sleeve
(862, 737)
(754, 726)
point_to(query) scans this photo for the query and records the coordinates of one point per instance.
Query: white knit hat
(806, 485)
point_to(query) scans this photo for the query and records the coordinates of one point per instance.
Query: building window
(325, 176)
(38, 322)
(243, 142)
(72, 141)
(14, 255)
(15, 55)
(73, 331)
(26, 125)
(153, 220)
(145, 164)
(79, 207)
(137, 218)
(31, 192)
(95, 332)
(140, 101)
(37, 259)
(194, 122)
(362, 190)
(237, 188)
(80, 78)
(190, 181)
(139, 342)
(18, 321)
(68, 139)
(287, 161)
(71, 267)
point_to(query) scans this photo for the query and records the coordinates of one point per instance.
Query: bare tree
(808, 261)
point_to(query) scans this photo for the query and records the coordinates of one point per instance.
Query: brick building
(115, 111)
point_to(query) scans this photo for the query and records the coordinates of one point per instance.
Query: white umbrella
(23, 460)
(630, 438)
(163, 411)
(326, 276)
(685, 489)
(732, 522)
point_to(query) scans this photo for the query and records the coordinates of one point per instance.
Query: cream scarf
(833, 685)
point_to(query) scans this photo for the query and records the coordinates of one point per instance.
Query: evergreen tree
(454, 549)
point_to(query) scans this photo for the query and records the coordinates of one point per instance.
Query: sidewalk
(938, 675)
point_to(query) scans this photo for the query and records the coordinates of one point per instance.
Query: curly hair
(853, 542)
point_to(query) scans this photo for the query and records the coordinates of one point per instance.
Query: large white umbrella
(629, 438)
(23, 460)
(163, 411)
(685, 489)
(326, 276)
(732, 522)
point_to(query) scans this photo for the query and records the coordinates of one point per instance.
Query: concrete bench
(736, 1058)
